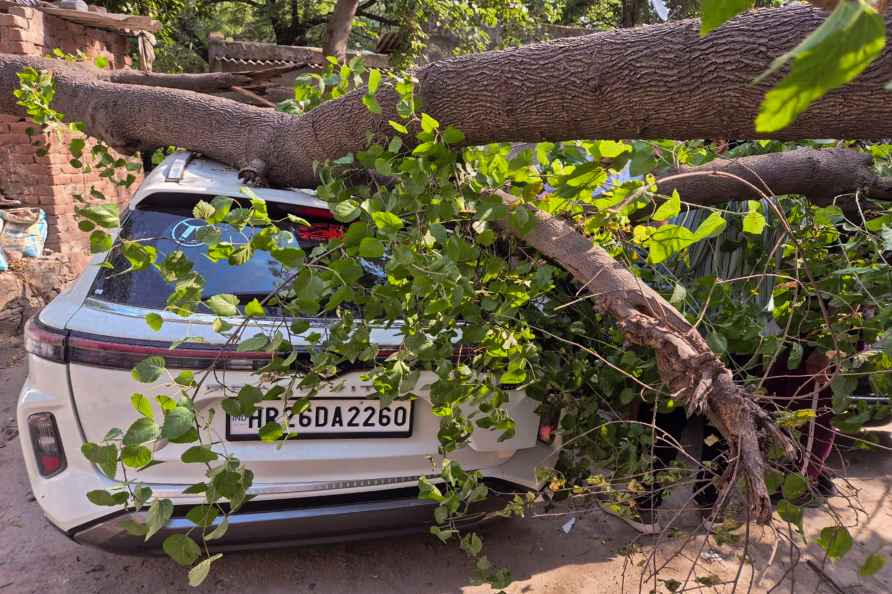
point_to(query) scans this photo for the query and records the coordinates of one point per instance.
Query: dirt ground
(594, 557)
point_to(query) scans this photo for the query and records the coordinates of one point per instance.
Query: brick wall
(49, 181)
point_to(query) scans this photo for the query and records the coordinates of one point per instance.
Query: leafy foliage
(453, 277)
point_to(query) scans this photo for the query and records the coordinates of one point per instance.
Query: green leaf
(424, 148)
(371, 103)
(105, 457)
(836, 541)
(255, 343)
(712, 226)
(203, 515)
(513, 376)
(872, 564)
(754, 221)
(716, 12)
(165, 402)
(371, 247)
(219, 531)
(471, 544)
(148, 370)
(103, 215)
(142, 405)
(158, 515)
(100, 241)
(185, 378)
(717, 342)
(155, 321)
(374, 81)
(290, 257)
(248, 397)
(223, 304)
(272, 431)
(669, 208)
(453, 135)
(666, 241)
(773, 480)
(181, 549)
(790, 513)
(136, 456)
(398, 127)
(428, 124)
(795, 486)
(198, 455)
(886, 235)
(200, 572)
(141, 431)
(387, 221)
(254, 310)
(834, 54)
(76, 146)
(346, 211)
(177, 422)
(203, 210)
(103, 497)
(842, 386)
(827, 215)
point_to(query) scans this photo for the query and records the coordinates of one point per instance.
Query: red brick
(21, 11)
(11, 20)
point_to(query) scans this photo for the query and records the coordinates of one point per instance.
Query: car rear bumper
(292, 522)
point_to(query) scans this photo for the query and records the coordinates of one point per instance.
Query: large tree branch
(199, 83)
(822, 176)
(688, 367)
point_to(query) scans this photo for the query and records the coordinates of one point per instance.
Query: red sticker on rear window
(321, 232)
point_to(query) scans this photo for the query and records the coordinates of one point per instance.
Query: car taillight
(47, 444)
(119, 353)
(548, 426)
(44, 342)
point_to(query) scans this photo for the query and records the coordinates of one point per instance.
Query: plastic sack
(24, 232)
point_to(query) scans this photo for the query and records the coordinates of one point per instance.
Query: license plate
(332, 418)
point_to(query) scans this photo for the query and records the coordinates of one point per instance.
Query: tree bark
(822, 176)
(634, 83)
(199, 83)
(337, 31)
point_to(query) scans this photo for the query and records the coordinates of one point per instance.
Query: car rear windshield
(165, 222)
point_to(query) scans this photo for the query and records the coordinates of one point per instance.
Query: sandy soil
(592, 558)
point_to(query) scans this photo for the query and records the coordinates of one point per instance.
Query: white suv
(353, 469)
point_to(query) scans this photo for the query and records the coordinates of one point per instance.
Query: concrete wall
(49, 181)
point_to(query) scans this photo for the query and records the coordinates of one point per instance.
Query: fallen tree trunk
(634, 83)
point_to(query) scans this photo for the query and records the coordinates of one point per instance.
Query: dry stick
(826, 578)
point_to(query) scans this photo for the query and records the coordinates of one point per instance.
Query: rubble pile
(28, 285)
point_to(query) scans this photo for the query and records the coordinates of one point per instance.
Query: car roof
(185, 172)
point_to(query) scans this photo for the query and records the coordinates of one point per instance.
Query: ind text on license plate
(331, 418)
